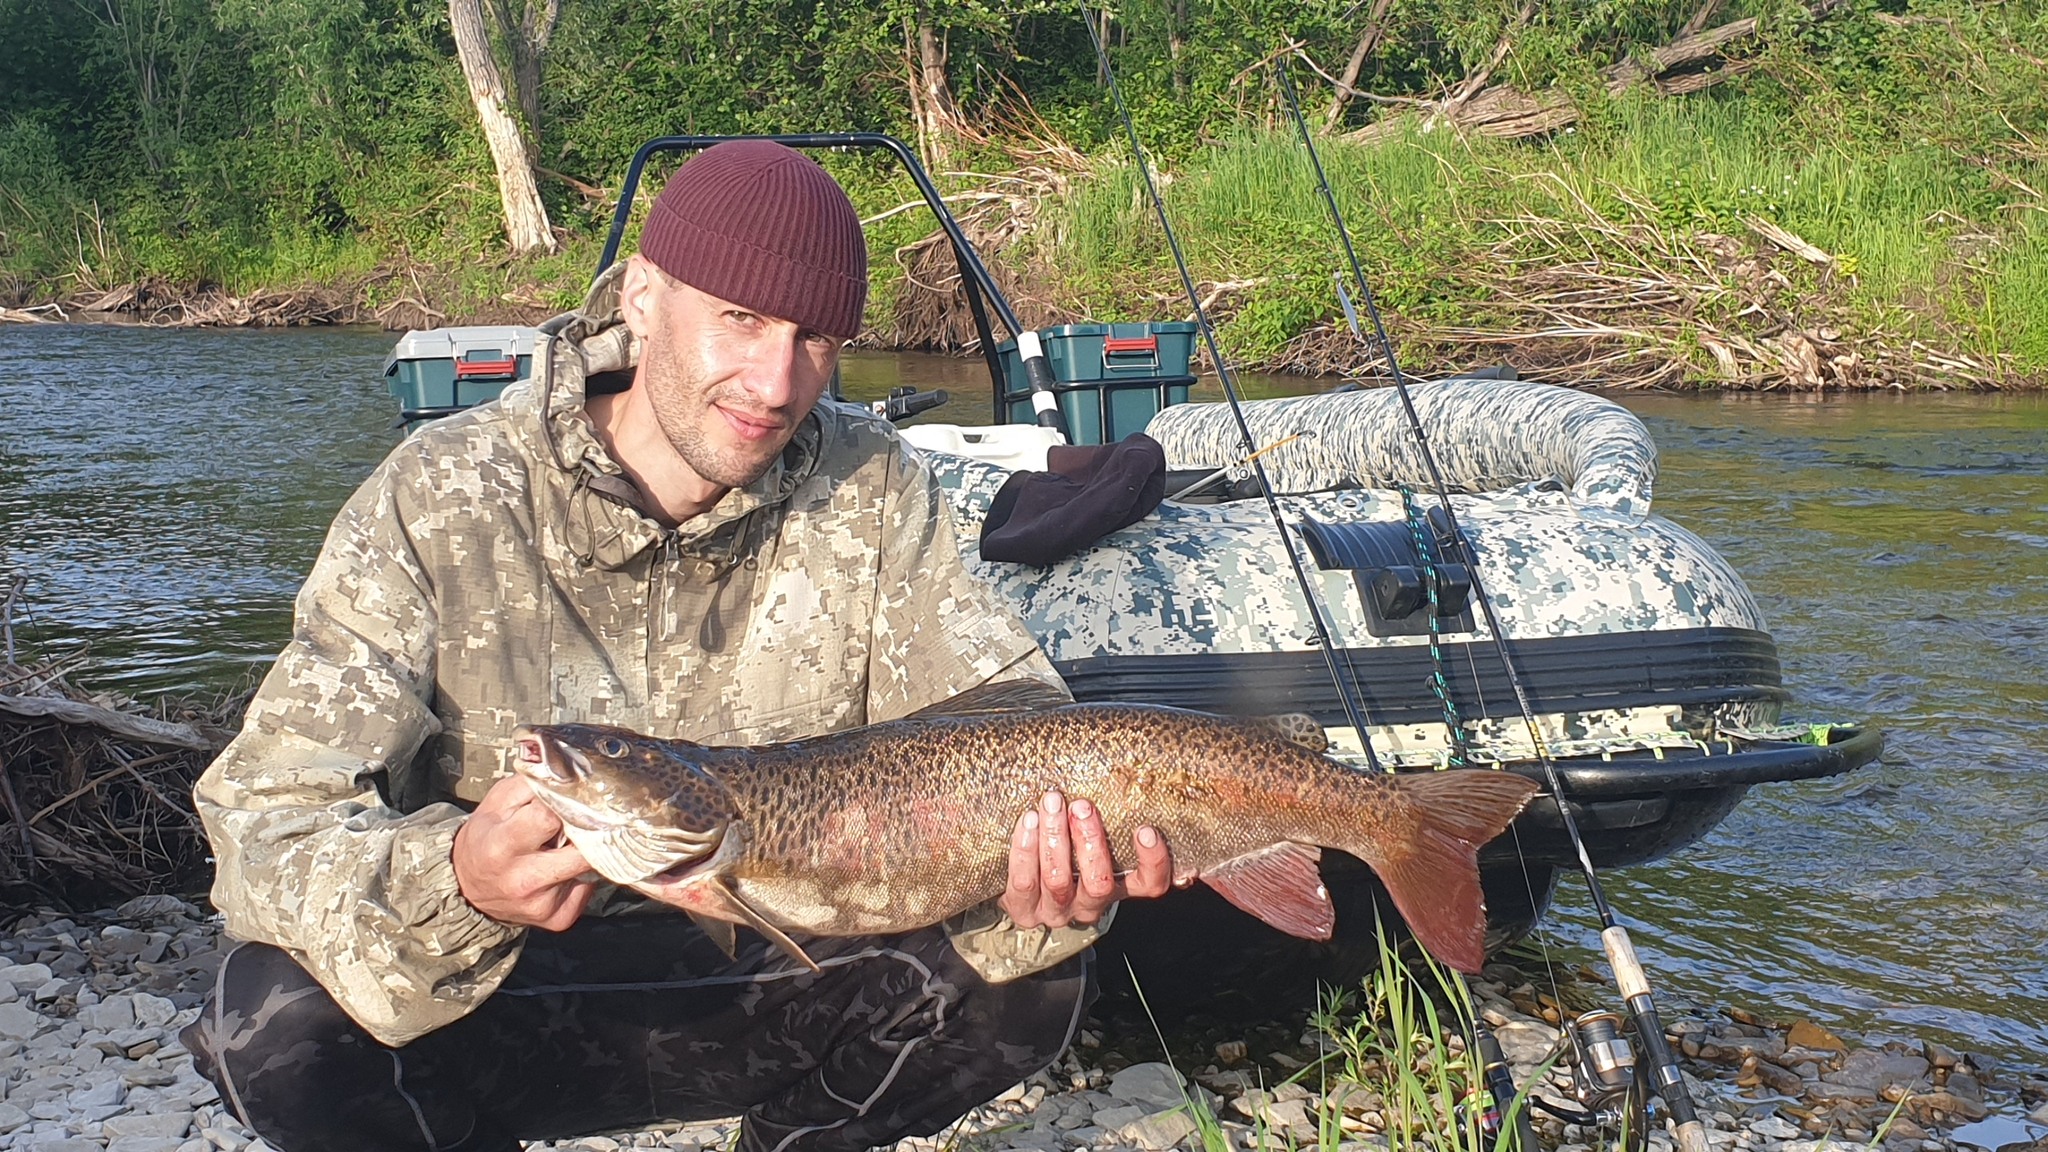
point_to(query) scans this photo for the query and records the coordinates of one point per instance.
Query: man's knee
(273, 1041)
(1024, 1024)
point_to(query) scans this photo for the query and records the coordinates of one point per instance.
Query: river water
(164, 493)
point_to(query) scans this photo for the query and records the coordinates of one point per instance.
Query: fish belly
(824, 907)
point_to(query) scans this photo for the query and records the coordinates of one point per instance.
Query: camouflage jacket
(481, 578)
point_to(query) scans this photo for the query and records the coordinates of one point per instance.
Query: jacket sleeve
(938, 632)
(310, 854)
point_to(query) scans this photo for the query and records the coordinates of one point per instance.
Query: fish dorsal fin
(1025, 695)
(1293, 727)
(1282, 885)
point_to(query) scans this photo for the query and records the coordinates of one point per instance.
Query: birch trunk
(527, 33)
(941, 118)
(526, 218)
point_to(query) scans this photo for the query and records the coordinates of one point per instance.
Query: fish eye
(612, 746)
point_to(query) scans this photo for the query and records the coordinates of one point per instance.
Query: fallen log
(1694, 62)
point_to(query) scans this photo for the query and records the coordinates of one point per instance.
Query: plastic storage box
(443, 371)
(1112, 378)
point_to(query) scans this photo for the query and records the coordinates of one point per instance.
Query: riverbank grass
(1633, 248)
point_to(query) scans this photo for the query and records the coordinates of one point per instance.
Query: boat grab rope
(1461, 752)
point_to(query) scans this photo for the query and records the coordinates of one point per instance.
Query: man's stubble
(683, 405)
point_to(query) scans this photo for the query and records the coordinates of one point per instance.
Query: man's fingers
(554, 866)
(1020, 896)
(530, 826)
(1094, 861)
(1153, 873)
(569, 906)
(1055, 854)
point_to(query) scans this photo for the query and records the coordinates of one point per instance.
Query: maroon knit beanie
(761, 225)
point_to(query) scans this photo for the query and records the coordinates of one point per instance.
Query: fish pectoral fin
(743, 913)
(1295, 728)
(1282, 885)
(1002, 696)
(721, 933)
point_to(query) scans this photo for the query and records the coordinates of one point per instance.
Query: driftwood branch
(1698, 23)
(142, 729)
(583, 188)
(1476, 83)
(7, 604)
(95, 792)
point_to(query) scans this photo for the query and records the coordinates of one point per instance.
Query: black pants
(626, 1021)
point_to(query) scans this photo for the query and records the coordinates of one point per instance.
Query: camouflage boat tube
(1632, 633)
(1487, 435)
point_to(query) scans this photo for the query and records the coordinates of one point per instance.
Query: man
(706, 553)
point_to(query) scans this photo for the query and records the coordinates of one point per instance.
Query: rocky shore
(90, 1007)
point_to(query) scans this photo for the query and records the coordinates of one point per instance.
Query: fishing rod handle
(1500, 1084)
(1038, 373)
(1664, 1074)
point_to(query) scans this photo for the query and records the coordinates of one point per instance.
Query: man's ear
(640, 292)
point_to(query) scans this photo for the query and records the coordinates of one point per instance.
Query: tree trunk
(526, 218)
(931, 97)
(527, 35)
(1374, 31)
(1176, 43)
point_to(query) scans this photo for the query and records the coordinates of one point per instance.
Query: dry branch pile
(932, 311)
(160, 306)
(96, 791)
(1643, 306)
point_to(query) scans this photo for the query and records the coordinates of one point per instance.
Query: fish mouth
(577, 814)
(544, 758)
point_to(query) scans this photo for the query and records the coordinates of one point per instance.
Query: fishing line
(1321, 639)
(1628, 971)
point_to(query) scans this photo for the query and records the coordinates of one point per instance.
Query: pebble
(1153, 1084)
(90, 1008)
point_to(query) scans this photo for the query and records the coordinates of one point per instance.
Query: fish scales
(898, 825)
(940, 799)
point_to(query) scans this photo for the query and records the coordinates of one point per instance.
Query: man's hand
(507, 867)
(1062, 871)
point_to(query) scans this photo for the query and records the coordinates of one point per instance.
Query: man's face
(728, 385)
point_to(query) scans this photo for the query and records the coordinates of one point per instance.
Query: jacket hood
(605, 525)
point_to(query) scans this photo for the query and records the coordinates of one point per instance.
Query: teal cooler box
(441, 372)
(1112, 378)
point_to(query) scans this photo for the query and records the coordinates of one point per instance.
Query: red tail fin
(1433, 872)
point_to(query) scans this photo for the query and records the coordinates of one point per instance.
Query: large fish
(898, 825)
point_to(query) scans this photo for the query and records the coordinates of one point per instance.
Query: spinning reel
(1606, 1085)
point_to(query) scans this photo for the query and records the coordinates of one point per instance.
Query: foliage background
(237, 145)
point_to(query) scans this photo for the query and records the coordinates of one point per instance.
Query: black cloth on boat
(1085, 493)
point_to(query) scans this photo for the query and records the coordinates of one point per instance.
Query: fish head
(636, 806)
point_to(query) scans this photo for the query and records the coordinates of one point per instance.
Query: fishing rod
(1614, 939)
(1492, 1065)
(1322, 640)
